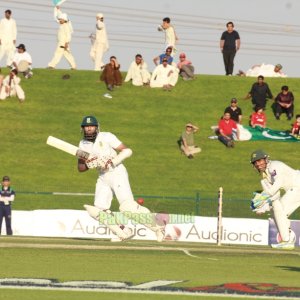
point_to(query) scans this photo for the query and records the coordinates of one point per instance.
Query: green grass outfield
(147, 120)
(150, 122)
(135, 263)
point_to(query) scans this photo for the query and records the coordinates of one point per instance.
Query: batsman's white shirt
(113, 181)
(279, 176)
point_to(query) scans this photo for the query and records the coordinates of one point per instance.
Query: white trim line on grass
(114, 290)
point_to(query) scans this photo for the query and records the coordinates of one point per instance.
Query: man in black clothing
(235, 111)
(284, 102)
(230, 43)
(7, 195)
(259, 92)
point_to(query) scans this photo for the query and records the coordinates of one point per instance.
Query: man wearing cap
(7, 195)
(276, 177)
(187, 141)
(235, 111)
(266, 70)
(186, 69)
(64, 36)
(107, 156)
(100, 45)
(8, 36)
(22, 61)
(138, 72)
(164, 75)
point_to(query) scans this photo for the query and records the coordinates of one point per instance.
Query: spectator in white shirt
(138, 72)
(22, 61)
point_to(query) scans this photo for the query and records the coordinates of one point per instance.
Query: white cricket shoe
(160, 234)
(284, 246)
(129, 234)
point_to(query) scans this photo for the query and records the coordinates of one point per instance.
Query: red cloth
(296, 128)
(258, 119)
(226, 126)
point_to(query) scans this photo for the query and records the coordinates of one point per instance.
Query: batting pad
(140, 214)
(107, 219)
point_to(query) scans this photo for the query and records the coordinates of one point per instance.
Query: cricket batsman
(107, 153)
(277, 176)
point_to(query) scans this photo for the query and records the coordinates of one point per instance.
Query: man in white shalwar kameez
(266, 70)
(164, 75)
(63, 46)
(138, 72)
(100, 44)
(8, 36)
(170, 35)
(11, 87)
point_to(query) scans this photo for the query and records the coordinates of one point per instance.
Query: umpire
(6, 197)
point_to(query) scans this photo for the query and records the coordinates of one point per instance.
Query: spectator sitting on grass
(186, 69)
(159, 59)
(284, 102)
(258, 118)
(235, 111)
(296, 127)
(138, 72)
(187, 141)
(111, 74)
(164, 76)
(226, 130)
(11, 87)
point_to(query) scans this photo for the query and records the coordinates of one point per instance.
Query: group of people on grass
(228, 129)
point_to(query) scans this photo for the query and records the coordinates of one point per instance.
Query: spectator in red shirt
(296, 126)
(258, 118)
(226, 130)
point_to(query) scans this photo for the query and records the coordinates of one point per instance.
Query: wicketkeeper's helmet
(257, 155)
(90, 121)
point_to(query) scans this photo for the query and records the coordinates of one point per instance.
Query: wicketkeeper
(107, 155)
(277, 176)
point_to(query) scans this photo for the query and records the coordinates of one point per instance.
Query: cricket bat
(67, 147)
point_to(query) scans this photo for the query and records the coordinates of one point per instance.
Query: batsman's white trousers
(59, 53)
(9, 50)
(283, 208)
(112, 182)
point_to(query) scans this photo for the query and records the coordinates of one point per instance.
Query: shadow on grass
(289, 268)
